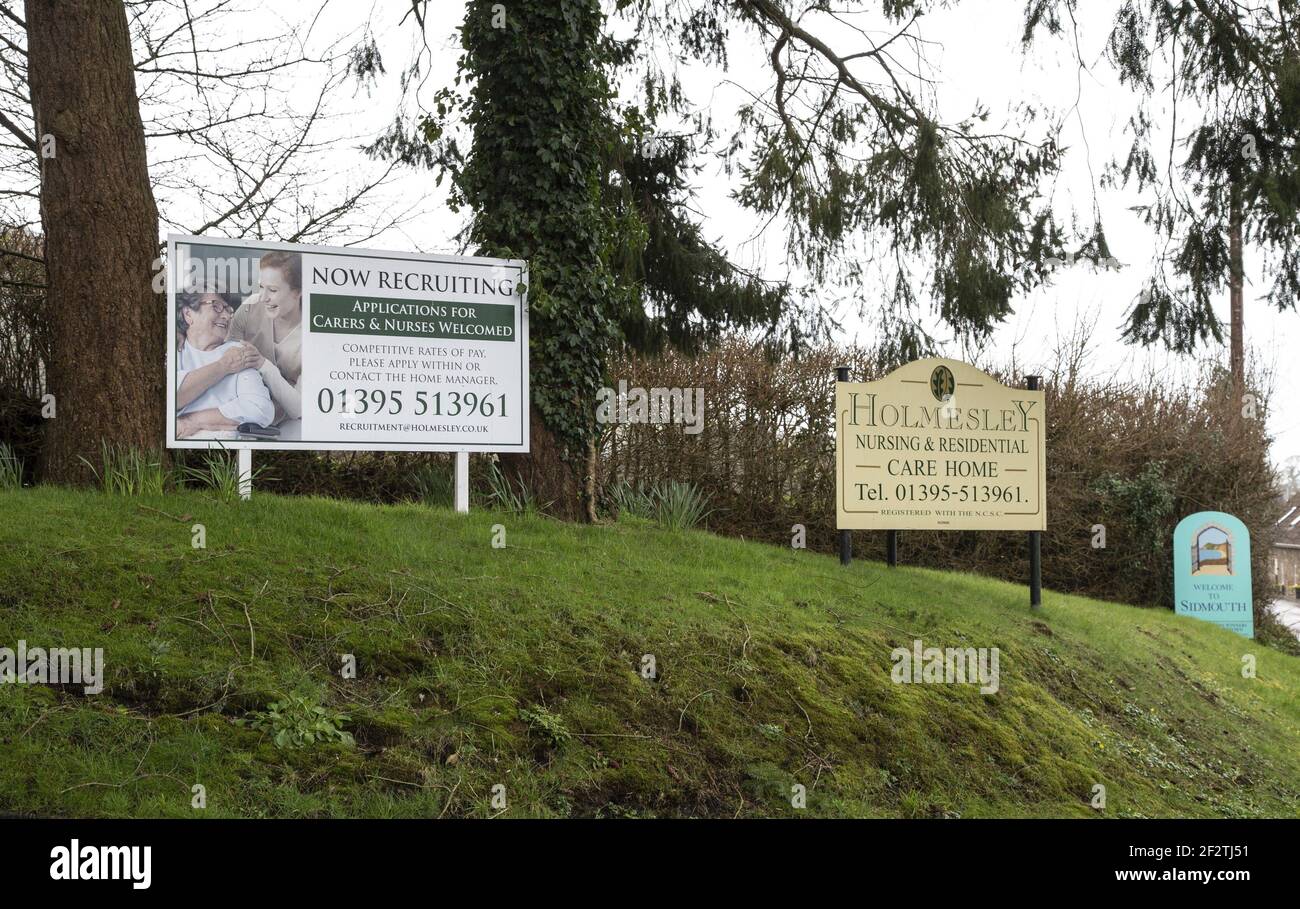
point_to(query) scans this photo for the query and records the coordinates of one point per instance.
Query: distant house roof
(1288, 522)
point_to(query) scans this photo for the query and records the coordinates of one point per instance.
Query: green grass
(519, 667)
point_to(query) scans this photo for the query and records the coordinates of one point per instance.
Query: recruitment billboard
(290, 346)
(939, 445)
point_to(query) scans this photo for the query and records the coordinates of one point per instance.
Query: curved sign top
(939, 445)
(1212, 571)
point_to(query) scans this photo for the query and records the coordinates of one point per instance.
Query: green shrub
(636, 501)
(548, 726)
(434, 485)
(514, 497)
(680, 506)
(128, 471)
(677, 506)
(1145, 502)
(219, 474)
(298, 720)
(11, 468)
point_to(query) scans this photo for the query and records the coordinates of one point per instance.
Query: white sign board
(288, 346)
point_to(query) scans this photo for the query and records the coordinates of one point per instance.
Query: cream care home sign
(939, 445)
(287, 346)
(1212, 571)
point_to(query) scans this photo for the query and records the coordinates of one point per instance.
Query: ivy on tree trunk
(532, 175)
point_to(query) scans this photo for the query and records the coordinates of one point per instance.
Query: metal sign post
(462, 482)
(1035, 540)
(846, 536)
(245, 473)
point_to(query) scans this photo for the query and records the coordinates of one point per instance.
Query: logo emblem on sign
(942, 384)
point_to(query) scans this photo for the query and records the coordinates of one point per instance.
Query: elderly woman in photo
(272, 322)
(217, 384)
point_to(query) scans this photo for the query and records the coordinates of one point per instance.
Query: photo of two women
(239, 356)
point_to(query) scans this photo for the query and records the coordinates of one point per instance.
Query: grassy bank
(520, 667)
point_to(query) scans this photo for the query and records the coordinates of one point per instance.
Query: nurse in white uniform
(217, 384)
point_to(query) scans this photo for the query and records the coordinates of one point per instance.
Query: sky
(973, 56)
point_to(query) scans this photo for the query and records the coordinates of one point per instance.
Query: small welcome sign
(1212, 571)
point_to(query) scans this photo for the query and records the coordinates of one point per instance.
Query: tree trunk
(101, 235)
(545, 473)
(1235, 282)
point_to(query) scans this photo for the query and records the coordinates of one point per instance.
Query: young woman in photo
(272, 322)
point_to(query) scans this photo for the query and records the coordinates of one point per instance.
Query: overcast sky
(975, 57)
